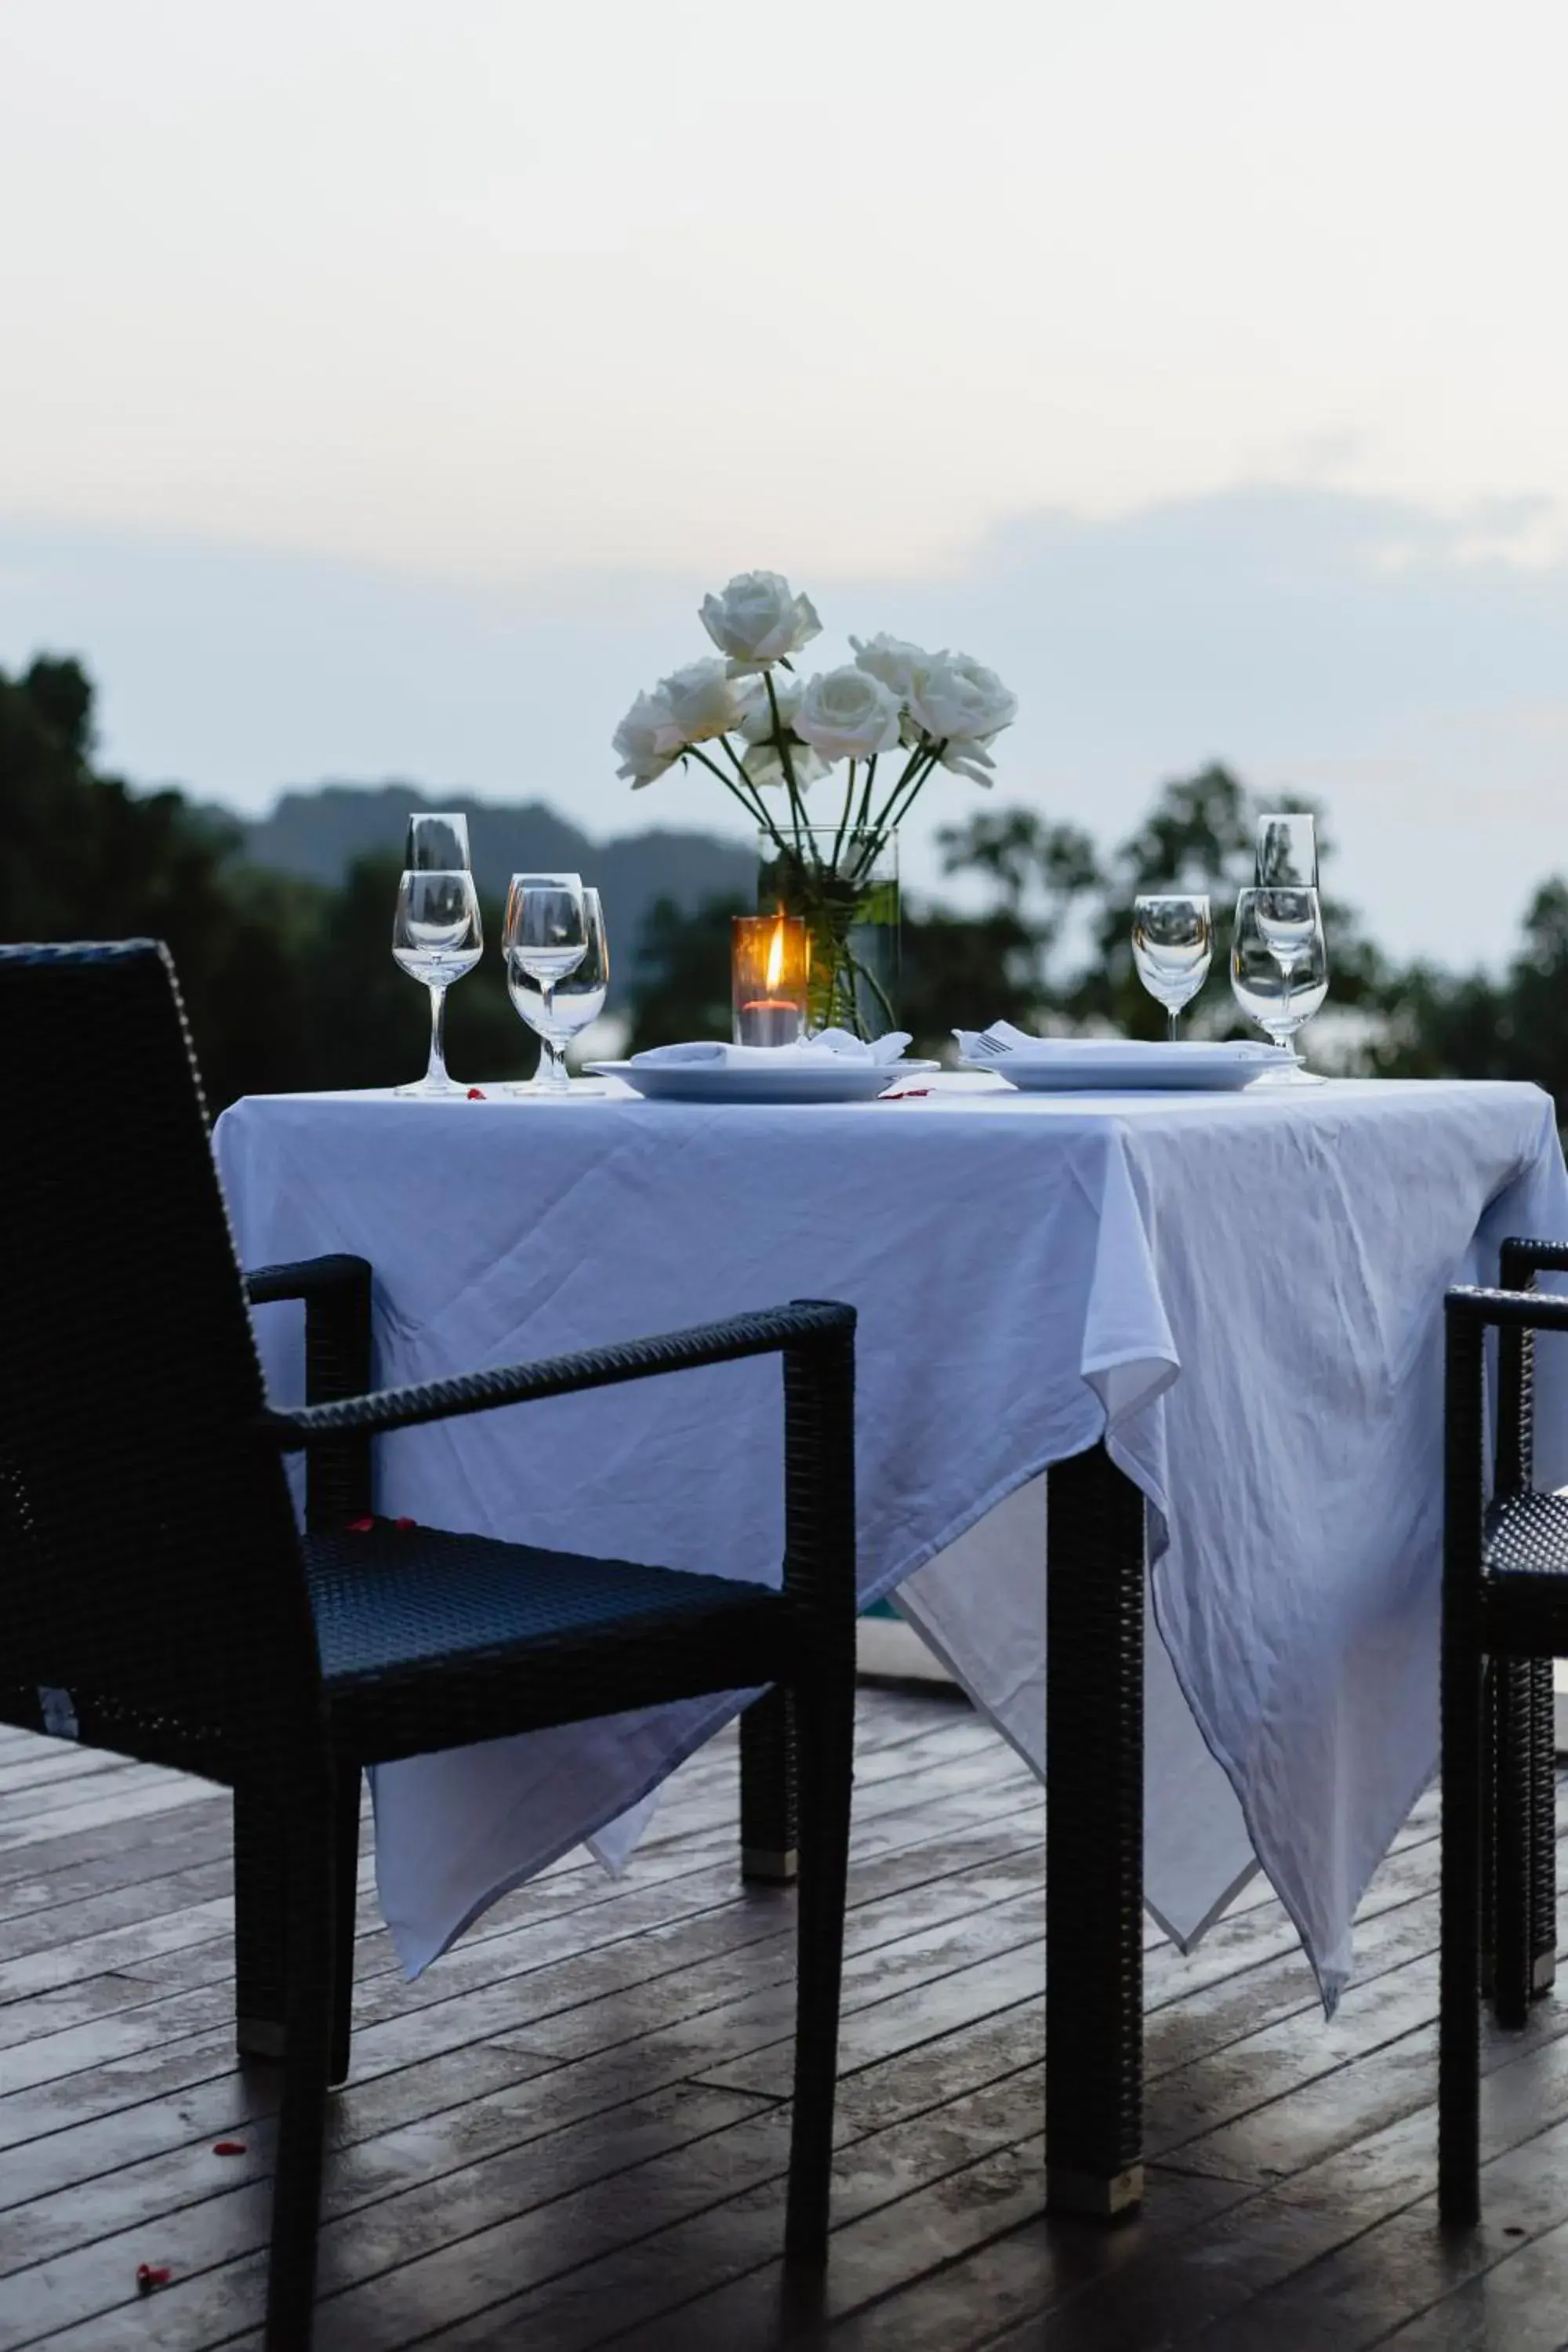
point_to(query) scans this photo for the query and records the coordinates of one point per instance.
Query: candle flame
(776, 957)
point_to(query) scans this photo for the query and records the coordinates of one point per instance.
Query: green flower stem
(864, 818)
(844, 818)
(757, 814)
(899, 807)
(786, 760)
(753, 792)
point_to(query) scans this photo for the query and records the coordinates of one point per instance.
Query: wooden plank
(572, 2131)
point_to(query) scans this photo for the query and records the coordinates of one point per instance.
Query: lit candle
(767, 979)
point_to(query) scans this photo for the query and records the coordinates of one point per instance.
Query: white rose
(701, 700)
(964, 706)
(758, 620)
(848, 714)
(648, 740)
(763, 763)
(756, 719)
(892, 659)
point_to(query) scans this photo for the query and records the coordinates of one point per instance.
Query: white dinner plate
(1161, 1070)
(814, 1082)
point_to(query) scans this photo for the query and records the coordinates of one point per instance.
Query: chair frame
(157, 1599)
(1498, 1775)
(816, 1342)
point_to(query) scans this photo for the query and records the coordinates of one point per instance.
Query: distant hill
(318, 834)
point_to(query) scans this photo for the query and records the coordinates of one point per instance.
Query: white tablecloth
(1243, 1293)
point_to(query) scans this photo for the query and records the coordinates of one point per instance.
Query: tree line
(289, 983)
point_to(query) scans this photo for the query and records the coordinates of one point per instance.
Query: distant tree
(1470, 1024)
(681, 979)
(954, 965)
(84, 858)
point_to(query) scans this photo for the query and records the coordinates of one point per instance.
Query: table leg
(768, 1839)
(1094, 1839)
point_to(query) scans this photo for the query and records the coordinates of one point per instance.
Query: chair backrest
(150, 1578)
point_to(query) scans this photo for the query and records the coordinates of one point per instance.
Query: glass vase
(845, 885)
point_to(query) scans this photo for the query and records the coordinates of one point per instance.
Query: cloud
(1408, 665)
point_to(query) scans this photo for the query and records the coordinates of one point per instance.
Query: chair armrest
(336, 1292)
(307, 1278)
(816, 1340)
(1508, 1310)
(1519, 1263)
(1520, 1260)
(773, 1331)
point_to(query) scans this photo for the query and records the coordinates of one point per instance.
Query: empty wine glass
(1279, 968)
(546, 939)
(515, 888)
(574, 1002)
(437, 938)
(1288, 850)
(1173, 942)
(437, 843)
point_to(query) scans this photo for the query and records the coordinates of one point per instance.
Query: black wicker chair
(1505, 1617)
(157, 1600)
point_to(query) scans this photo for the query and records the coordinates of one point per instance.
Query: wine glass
(1279, 968)
(1173, 942)
(437, 938)
(546, 939)
(575, 1000)
(437, 843)
(515, 888)
(1288, 850)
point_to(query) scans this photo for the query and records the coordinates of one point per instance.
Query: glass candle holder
(768, 966)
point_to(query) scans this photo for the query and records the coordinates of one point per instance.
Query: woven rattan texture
(414, 1624)
(149, 1572)
(1094, 1880)
(155, 1595)
(1505, 1616)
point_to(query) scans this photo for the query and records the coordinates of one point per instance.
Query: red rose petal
(361, 1527)
(405, 1523)
(476, 1094)
(152, 2274)
(229, 2147)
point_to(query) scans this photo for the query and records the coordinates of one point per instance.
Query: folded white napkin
(832, 1046)
(1018, 1045)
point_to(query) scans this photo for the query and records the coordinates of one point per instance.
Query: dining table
(1149, 1428)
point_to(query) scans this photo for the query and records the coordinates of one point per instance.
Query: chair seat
(1527, 1535)
(430, 1640)
(1524, 1580)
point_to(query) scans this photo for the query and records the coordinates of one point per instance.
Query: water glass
(437, 938)
(1288, 850)
(437, 843)
(1173, 942)
(1280, 968)
(515, 888)
(545, 939)
(574, 1002)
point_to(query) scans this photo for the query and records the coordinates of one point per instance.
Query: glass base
(535, 1090)
(431, 1091)
(1297, 1076)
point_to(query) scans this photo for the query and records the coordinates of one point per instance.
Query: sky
(382, 384)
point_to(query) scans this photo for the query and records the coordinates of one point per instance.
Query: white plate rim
(681, 1073)
(1089, 1076)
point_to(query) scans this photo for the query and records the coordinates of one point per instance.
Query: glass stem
(555, 1073)
(436, 1069)
(1173, 1013)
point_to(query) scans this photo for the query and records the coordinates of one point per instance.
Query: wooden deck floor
(571, 2133)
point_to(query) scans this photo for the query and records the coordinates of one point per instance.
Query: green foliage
(681, 987)
(289, 983)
